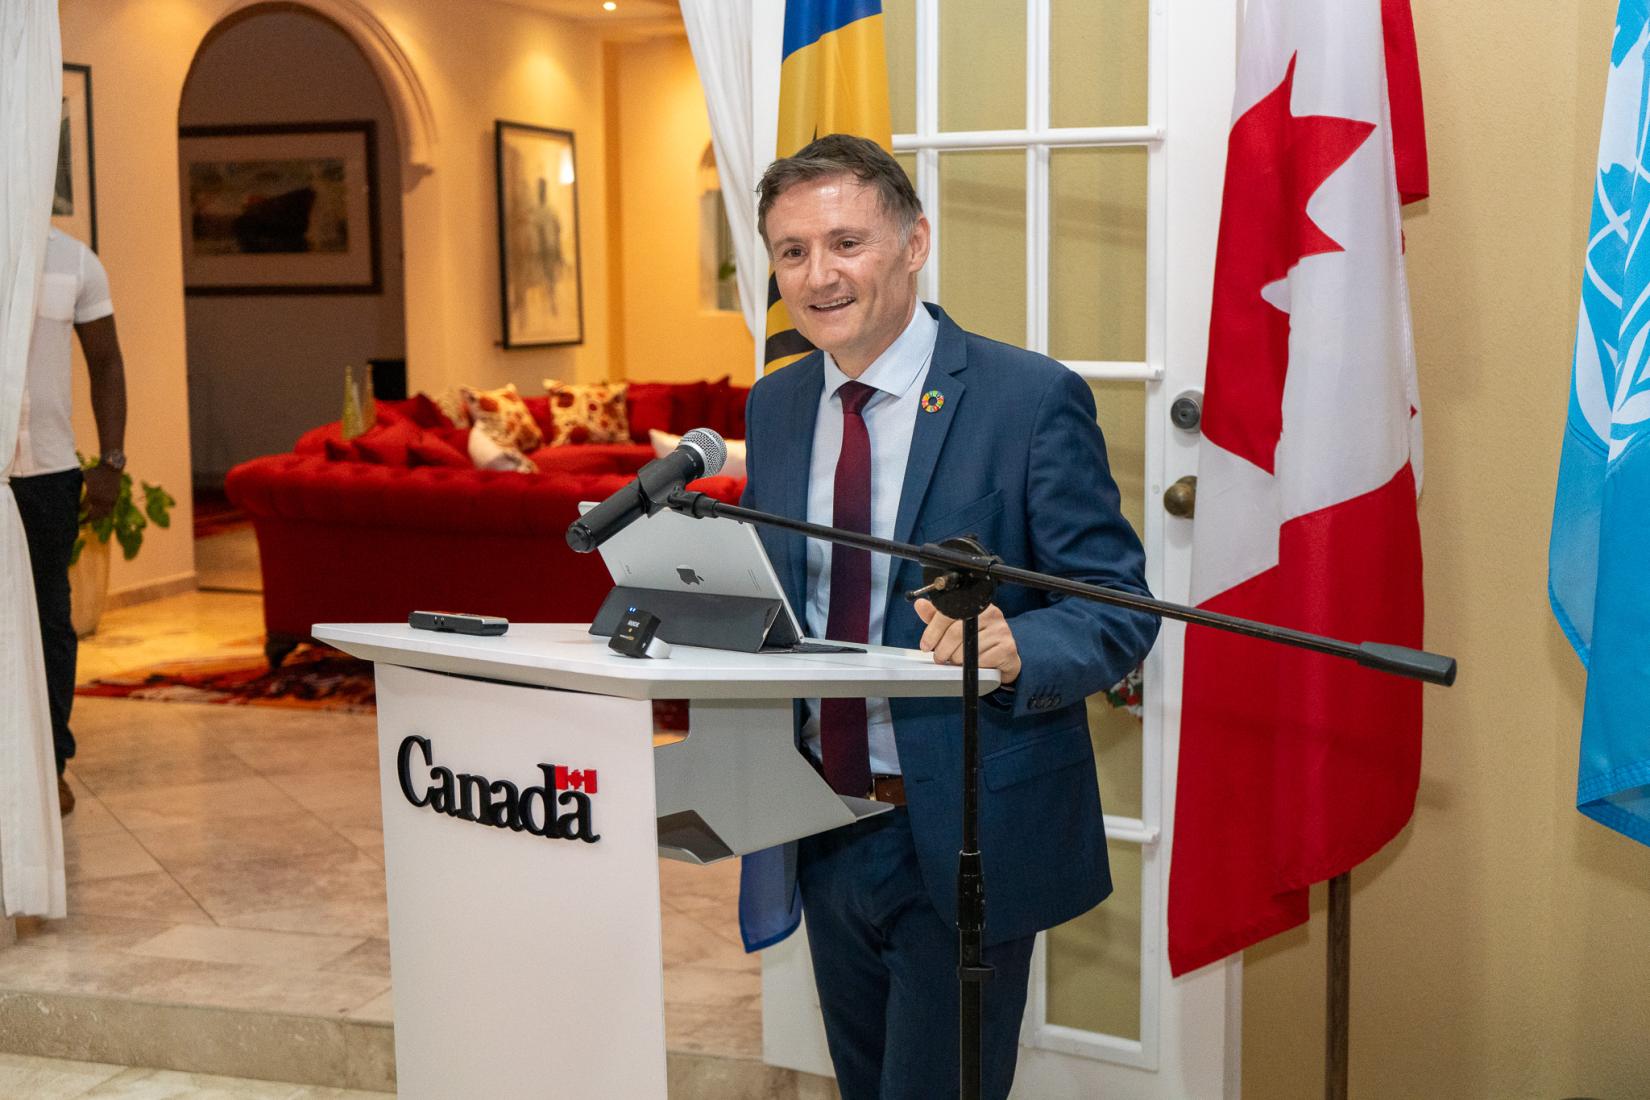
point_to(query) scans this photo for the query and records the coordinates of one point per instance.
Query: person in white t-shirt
(46, 477)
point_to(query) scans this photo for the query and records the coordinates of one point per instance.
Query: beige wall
(475, 62)
(1501, 945)
(661, 132)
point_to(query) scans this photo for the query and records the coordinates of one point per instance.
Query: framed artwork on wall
(74, 199)
(287, 208)
(541, 296)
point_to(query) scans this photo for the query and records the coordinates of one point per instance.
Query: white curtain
(719, 31)
(31, 88)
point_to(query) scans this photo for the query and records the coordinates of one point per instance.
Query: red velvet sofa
(350, 537)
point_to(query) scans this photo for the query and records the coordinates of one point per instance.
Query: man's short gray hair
(842, 155)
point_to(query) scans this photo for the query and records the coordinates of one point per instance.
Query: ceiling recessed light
(609, 5)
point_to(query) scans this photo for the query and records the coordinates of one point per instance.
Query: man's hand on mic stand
(944, 639)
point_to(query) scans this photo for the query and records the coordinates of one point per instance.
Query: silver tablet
(677, 553)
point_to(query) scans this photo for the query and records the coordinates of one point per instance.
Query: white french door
(1069, 155)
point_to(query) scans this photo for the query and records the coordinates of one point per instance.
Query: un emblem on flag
(1611, 388)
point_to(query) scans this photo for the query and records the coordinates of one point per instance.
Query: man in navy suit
(907, 426)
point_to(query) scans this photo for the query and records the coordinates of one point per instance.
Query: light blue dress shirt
(890, 419)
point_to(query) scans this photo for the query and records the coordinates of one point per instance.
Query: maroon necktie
(842, 728)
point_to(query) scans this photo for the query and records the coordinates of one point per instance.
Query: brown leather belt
(888, 788)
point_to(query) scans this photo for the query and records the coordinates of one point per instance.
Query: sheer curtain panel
(31, 87)
(719, 32)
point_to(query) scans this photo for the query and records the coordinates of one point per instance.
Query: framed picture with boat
(280, 208)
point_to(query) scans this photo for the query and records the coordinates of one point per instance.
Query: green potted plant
(89, 564)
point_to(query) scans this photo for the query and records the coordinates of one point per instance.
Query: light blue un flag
(1599, 562)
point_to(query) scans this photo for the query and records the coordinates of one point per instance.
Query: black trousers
(50, 506)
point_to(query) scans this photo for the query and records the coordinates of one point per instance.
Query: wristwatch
(115, 460)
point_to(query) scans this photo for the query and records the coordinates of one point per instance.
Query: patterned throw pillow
(451, 405)
(501, 414)
(592, 412)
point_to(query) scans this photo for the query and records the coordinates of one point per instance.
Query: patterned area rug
(315, 677)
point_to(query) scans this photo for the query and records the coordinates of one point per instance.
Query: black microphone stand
(960, 577)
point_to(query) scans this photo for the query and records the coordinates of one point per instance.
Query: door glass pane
(1121, 413)
(1097, 254)
(1097, 62)
(1094, 961)
(983, 242)
(1118, 754)
(899, 28)
(982, 65)
(1120, 409)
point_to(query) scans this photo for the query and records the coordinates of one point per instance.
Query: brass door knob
(1180, 499)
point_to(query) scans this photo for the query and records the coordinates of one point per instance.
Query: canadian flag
(1295, 766)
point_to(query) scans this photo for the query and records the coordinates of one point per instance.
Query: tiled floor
(232, 856)
(60, 1079)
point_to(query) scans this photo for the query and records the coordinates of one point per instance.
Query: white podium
(525, 807)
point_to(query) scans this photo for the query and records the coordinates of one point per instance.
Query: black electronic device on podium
(960, 577)
(747, 624)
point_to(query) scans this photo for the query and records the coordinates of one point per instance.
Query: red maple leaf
(1275, 162)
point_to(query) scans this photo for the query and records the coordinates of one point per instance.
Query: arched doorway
(291, 172)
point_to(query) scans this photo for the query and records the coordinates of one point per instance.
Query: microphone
(701, 453)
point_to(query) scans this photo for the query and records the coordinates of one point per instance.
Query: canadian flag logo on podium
(575, 779)
(1295, 766)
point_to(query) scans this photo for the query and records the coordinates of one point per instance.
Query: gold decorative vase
(89, 587)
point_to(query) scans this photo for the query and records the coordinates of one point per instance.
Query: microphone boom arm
(1414, 664)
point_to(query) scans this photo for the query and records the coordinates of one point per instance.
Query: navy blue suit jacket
(1015, 457)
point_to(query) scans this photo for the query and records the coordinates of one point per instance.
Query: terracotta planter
(89, 587)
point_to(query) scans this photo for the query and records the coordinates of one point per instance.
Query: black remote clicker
(458, 622)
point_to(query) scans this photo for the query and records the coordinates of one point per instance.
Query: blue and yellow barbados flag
(833, 79)
(1597, 580)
